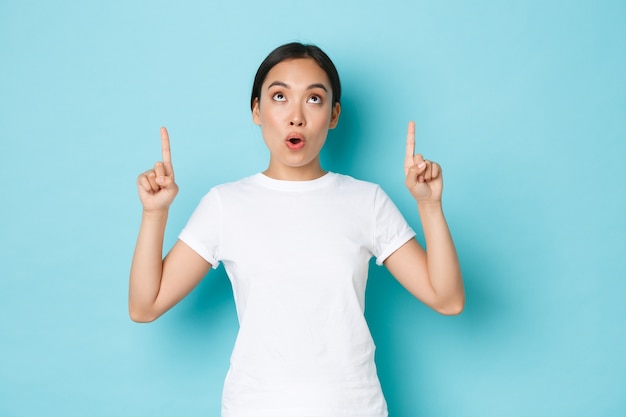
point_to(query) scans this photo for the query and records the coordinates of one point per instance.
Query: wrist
(155, 214)
(429, 208)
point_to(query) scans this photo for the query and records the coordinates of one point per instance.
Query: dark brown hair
(296, 50)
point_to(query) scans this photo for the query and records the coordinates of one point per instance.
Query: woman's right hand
(157, 188)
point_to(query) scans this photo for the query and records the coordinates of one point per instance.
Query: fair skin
(295, 112)
(295, 104)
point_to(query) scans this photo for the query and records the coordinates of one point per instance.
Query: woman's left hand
(424, 178)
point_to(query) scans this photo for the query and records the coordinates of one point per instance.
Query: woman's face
(295, 112)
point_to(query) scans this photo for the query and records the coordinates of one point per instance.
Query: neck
(295, 173)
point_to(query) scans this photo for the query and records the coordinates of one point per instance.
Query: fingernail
(421, 165)
(160, 180)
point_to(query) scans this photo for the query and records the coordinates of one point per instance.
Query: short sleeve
(202, 231)
(391, 229)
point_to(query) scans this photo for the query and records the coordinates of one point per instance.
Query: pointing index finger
(166, 153)
(410, 147)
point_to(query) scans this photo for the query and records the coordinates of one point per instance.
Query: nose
(297, 117)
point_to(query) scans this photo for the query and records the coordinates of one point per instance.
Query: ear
(334, 117)
(256, 112)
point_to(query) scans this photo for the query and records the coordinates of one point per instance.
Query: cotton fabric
(297, 255)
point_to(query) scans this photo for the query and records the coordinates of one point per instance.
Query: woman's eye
(315, 99)
(278, 97)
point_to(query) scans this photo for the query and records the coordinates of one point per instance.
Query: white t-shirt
(297, 255)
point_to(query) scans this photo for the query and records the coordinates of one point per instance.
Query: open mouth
(295, 141)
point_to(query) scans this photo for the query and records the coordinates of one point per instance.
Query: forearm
(147, 266)
(443, 265)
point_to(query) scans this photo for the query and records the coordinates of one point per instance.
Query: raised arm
(157, 284)
(432, 275)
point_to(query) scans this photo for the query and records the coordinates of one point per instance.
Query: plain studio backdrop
(522, 102)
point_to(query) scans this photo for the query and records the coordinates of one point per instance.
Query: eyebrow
(311, 87)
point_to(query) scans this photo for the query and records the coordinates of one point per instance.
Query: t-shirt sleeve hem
(198, 248)
(395, 245)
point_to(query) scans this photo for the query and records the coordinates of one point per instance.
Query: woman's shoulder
(351, 187)
(219, 191)
(350, 181)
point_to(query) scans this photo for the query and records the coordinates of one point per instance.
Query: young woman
(296, 242)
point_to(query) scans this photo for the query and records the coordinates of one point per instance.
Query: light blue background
(522, 102)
